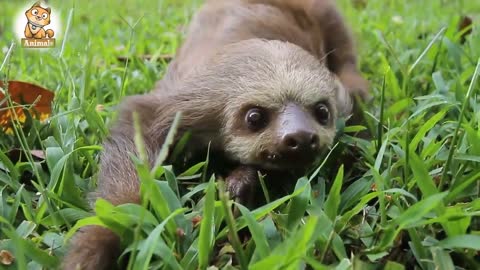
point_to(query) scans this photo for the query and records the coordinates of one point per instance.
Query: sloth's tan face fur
(264, 103)
(275, 89)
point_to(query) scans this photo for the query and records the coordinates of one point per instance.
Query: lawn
(410, 199)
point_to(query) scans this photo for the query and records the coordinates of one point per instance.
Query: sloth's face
(286, 137)
(292, 136)
(281, 104)
(283, 124)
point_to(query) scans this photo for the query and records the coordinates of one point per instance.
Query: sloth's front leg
(242, 184)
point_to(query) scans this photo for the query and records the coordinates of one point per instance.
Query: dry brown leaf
(17, 155)
(180, 232)
(100, 108)
(226, 249)
(465, 28)
(23, 94)
(196, 220)
(6, 257)
(359, 4)
(147, 57)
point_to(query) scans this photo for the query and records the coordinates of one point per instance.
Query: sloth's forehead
(298, 87)
(274, 99)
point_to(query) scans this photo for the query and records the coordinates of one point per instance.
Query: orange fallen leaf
(36, 99)
(6, 257)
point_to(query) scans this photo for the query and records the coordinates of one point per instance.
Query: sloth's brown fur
(314, 25)
(237, 54)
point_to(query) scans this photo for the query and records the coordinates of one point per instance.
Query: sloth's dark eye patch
(322, 113)
(256, 119)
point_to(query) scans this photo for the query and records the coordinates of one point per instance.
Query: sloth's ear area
(344, 101)
(155, 116)
(144, 105)
(356, 85)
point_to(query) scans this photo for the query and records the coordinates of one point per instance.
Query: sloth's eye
(45, 15)
(256, 119)
(322, 113)
(35, 12)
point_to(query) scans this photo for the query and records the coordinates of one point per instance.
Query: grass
(409, 201)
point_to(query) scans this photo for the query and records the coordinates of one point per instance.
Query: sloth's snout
(299, 143)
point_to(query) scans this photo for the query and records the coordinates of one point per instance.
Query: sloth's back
(220, 23)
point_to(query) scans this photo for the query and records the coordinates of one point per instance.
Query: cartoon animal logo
(38, 17)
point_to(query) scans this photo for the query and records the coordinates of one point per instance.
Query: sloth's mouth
(279, 161)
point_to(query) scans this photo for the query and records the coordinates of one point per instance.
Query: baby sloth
(261, 82)
(263, 104)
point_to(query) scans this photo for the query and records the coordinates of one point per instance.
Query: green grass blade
(298, 204)
(429, 124)
(468, 241)
(256, 230)
(333, 200)
(207, 228)
(423, 179)
(453, 145)
(458, 189)
(442, 259)
(418, 211)
(145, 253)
(233, 236)
(429, 46)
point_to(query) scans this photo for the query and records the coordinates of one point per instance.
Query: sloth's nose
(300, 142)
